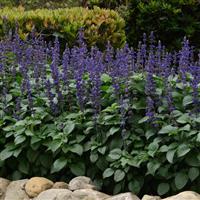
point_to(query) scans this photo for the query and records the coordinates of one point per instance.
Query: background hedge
(171, 20)
(100, 25)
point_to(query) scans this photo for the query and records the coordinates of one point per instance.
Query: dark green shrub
(170, 19)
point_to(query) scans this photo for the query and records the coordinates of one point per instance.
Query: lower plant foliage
(128, 119)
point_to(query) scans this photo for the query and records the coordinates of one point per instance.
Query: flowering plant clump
(125, 116)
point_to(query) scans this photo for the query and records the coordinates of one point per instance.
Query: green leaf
(144, 119)
(152, 166)
(193, 173)
(112, 131)
(119, 175)
(108, 172)
(170, 155)
(187, 127)
(163, 188)
(181, 180)
(46, 160)
(152, 148)
(183, 119)
(54, 145)
(164, 148)
(77, 148)
(8, 97)
(102, 150)
(187, 100)
(24, 166)
(182, 150)
(134, 186)
(19, 139)
(115, 154)
(16, 152)
(93, 157)
(106, 78)
(78, 168)
(192, 160)
(168, 129)
(117, 188)
(5, 154)
(20, 123)
(69, 127)
(59, 164)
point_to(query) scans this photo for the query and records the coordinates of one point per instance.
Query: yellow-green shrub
(100, 25)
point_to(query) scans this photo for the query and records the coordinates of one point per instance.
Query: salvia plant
(125, 117)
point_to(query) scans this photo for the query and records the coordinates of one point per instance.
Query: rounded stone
(36, 185)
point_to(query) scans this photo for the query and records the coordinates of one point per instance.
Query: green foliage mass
(34, 4)
(171, 20)
(100, 25)
(161, 159)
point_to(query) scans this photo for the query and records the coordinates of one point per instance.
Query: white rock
(60, 185)
(81, 182)
(55, 194)
(36, 185)
(148, 197)
(89, 194)
(187, 195)
(124, 196)
(15, 190)
(3, 186)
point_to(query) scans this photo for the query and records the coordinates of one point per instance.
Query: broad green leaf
(46, 160)
(19, 139)
(144, 119)
(59, 164)
(152, 166)
(54, 145)
(168, 129)
(20, 123)
(102, 150)
(134, 186)
(115, 154)
(117, 188)
(77, 148)
(152, 148)
(24, 166)
(112, 131)
(181, 180)
(187, 127)
(69, 127)
(182, 150)
(163, 188)
(164, 148)
(187, 100)
(93, 157)
(193, 173)
(78, 168)
(183, 119)
(192, 160)
(119, 175)
(170, 155)
(5, 154)
(8, 97)
(108, 172)
(17, 151)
